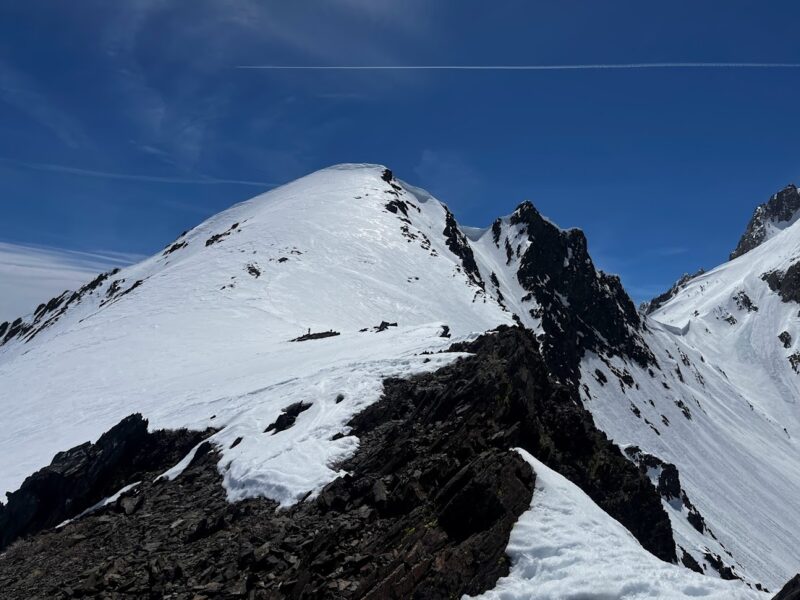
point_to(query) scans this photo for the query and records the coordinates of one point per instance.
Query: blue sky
(125, 123)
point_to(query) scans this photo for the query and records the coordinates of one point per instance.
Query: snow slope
(567, 548)
(204, 339)
(722, 408)
(200, 335)
(757, 361)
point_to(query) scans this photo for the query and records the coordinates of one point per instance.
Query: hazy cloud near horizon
(30, 275)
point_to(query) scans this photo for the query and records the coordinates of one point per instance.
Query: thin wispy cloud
(30, 275)
(575, 67)
(22, 92)
(62, 169)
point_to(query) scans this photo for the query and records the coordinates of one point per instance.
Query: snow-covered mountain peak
(373, 248)
(277, 321)
(527, 211)
(770, 218)
(343, 276)
(349, 257)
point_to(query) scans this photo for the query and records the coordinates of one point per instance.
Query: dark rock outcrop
(529, 410)
(49, 313)
(725, 571)
(287, 417)
(497, 229)
(794, 361)
(743, 302)
(781, 208)
(786, 339)
(785, 283)
(425, 511)
(459, 245)
(384, 325)
(688, 561)
(317, 335)
(668, 483)
(81, 477)
(580, 308)
(790, 591)
(175, 247)
(218, 237)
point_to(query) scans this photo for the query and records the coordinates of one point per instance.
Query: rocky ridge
(778, 211)
(425, 510)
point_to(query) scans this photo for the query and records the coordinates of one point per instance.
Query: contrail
(583, 67)
(53, 168)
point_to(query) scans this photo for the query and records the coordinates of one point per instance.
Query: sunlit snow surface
(738, 456)
(567, 548)
(204, 342)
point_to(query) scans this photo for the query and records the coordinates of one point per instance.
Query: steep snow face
(199, 335)
(734, 317)
(565, 547)
(722, 406)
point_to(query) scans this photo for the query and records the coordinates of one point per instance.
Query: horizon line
(555, 67)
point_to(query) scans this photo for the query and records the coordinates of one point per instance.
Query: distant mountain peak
(780, 211)
(658, 301)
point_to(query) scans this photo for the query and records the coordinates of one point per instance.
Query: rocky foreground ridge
(425, 511)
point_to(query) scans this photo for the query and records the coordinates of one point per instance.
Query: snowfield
(204, 340)
(737, 453)
(205, 334)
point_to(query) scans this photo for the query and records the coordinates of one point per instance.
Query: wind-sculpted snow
(566, 548)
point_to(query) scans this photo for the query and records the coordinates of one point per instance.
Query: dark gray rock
(49, 313)
(79, 478)
(459, 245)
(425, 511)
(287, 417)
(790, 591)
(580, 308)
(786, 339)
(725, 571)
(669, 483)
(780, 208)
(785, 284)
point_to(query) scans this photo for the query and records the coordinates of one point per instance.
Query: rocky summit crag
(779, 211)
